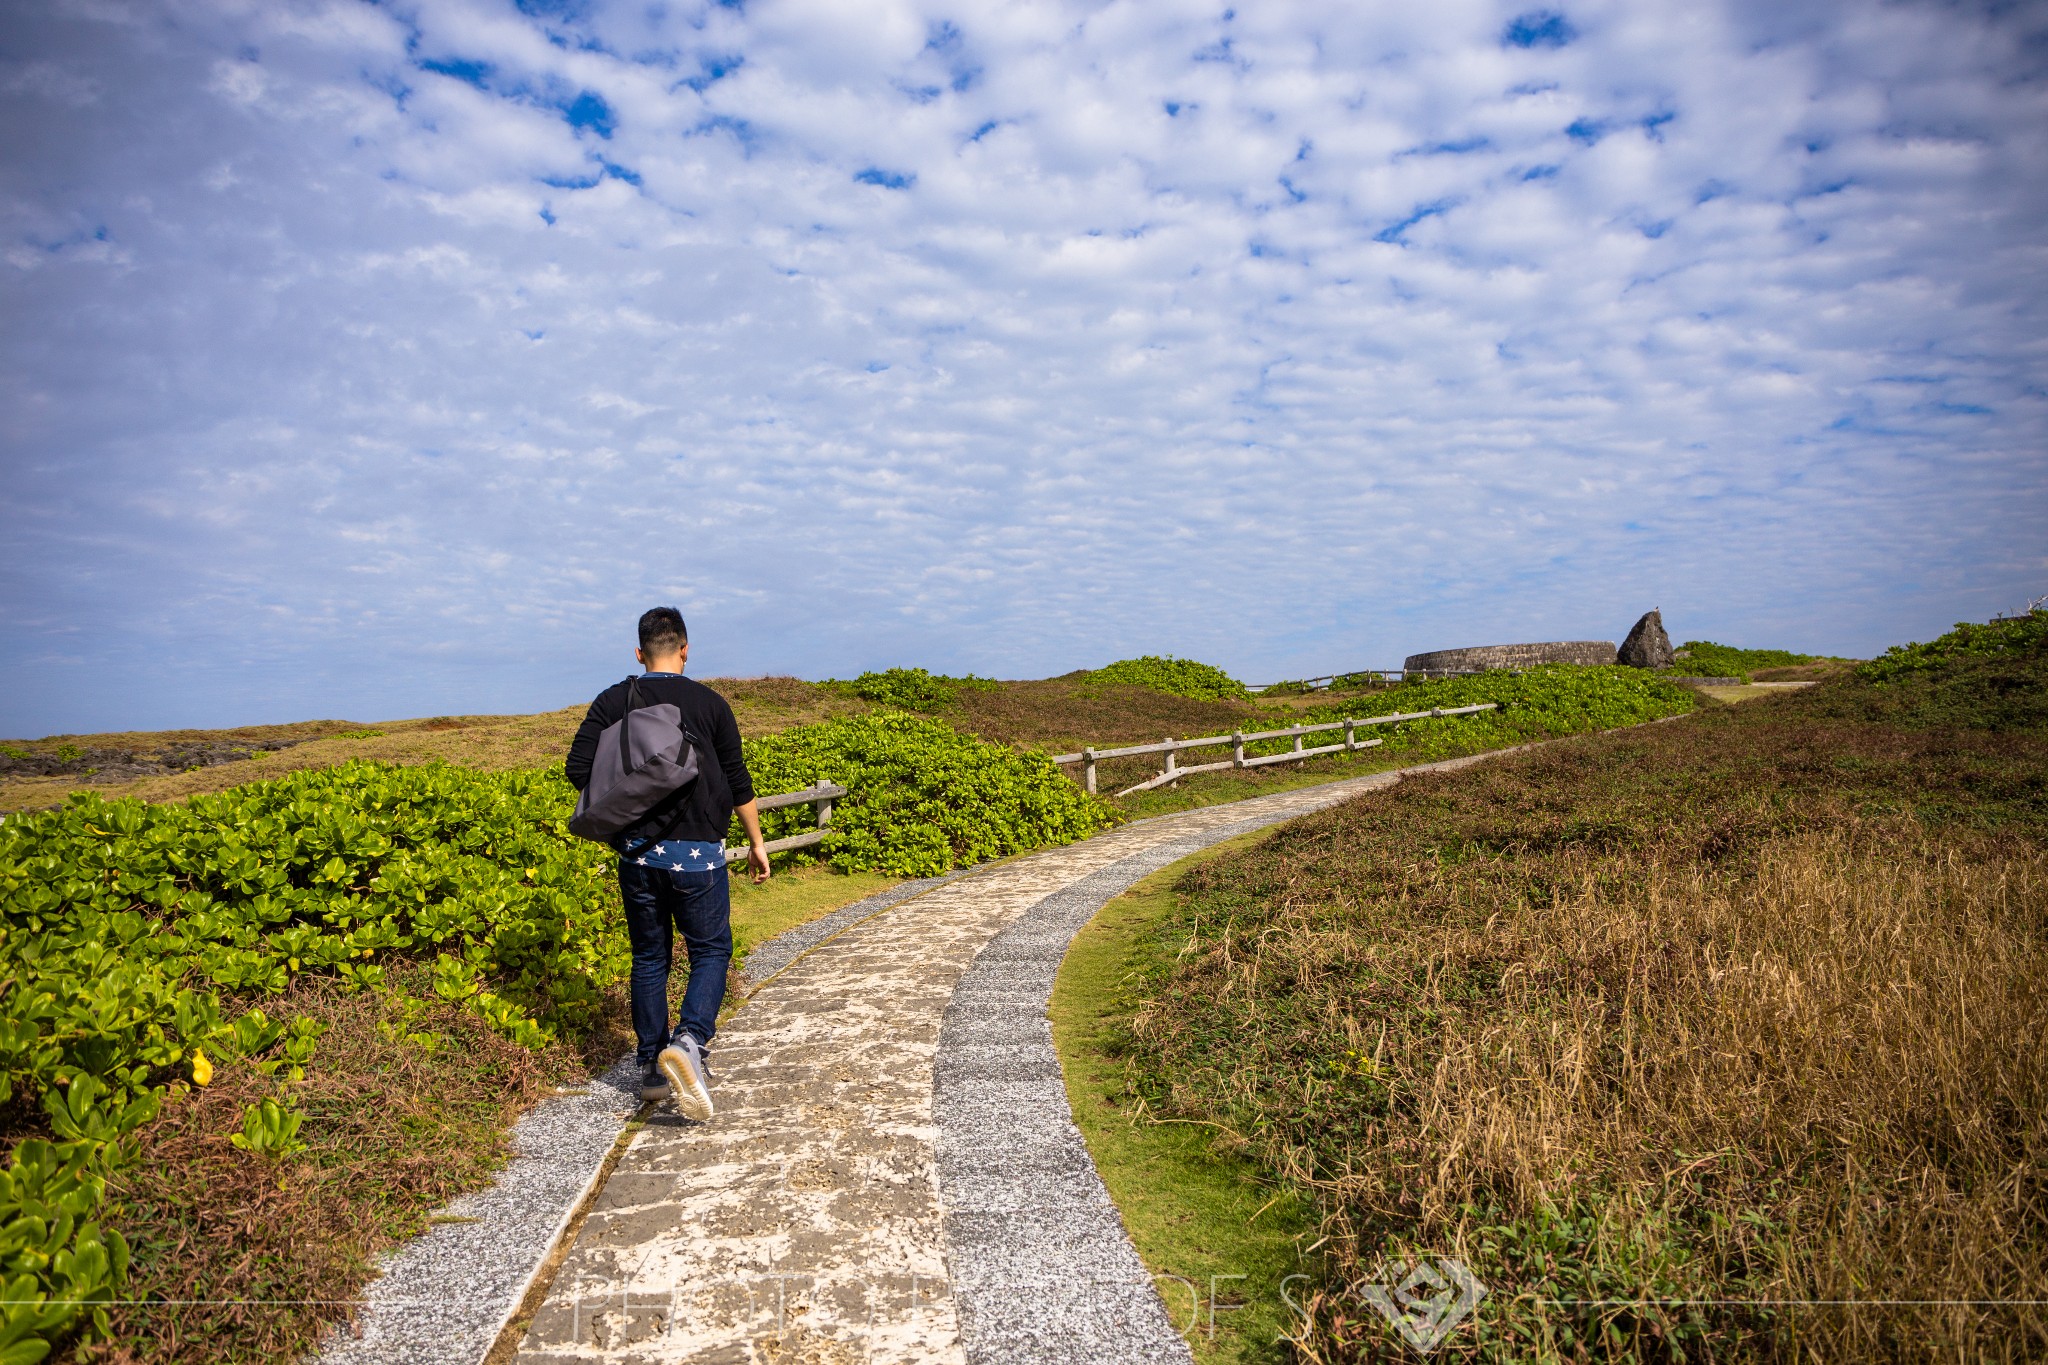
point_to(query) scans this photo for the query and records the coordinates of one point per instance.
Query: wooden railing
(1237, 740)
(1322, 681)
(820, 794)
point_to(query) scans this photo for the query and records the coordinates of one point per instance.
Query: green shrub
(1705, 659)
(2014, 635)
(1537, 703)
(910, 689)
(129, 932)
(328, 871)
(1178, 677)
(1978, 677)
(924, 798)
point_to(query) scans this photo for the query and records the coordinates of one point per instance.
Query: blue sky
(379, 360)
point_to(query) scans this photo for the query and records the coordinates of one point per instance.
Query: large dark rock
(1647, 646)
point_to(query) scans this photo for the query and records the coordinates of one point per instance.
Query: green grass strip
(1193, 1211)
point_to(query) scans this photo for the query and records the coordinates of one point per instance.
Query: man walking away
(672, 865)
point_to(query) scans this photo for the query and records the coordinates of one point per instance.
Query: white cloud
(440, 338)
(242, 83)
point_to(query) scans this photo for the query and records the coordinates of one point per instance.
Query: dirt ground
(1751, 691)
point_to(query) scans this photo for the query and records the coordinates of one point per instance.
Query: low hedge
(924, 798)
(1177, 677)
(1969, 640)
(136, 941)
(1536, 703)
(909, 689)
(1705, 659)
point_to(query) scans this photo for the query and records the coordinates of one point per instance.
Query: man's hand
(757, 851)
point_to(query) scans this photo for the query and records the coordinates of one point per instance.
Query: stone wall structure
(1479, 657)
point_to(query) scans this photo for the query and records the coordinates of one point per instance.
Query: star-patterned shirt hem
(679, 855)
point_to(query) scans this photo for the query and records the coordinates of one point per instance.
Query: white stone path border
(893, 1174)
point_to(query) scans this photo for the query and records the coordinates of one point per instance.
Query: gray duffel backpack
(643, 758)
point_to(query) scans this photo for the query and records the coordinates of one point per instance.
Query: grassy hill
(1055, 714)
(488, 743)
(1684, 1039)
(1052, 714)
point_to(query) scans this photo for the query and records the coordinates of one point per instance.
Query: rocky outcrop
(1479, 657)
(1647, 646)
(124, 765)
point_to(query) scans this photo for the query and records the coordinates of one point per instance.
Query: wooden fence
(820, 794)
(1237, 740)
(1322, 681)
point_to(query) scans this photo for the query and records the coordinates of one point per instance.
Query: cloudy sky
(375, 360)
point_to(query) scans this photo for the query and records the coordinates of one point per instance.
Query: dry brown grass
(1854, 1021)
(490, 743)
(1678, 1038)
(1062, 714)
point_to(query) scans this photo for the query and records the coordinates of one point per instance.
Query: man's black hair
(662, 631)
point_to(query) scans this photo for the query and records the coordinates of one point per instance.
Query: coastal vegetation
(1707, 1041)
(251, 1032)
(1180, 677)
(1705, 659)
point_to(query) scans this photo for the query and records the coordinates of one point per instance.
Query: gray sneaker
(683, 1063)
(653, 1085)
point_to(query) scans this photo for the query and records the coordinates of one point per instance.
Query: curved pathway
(892, 1174)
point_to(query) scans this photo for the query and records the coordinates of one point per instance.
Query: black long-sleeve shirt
(705, 813)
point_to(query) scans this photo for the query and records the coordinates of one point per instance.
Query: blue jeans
(660, 902)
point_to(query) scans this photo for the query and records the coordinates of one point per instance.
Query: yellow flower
(202, 1070)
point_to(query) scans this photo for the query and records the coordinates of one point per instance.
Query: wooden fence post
(1088, 767)
(1168, 771)
(1237, 748)
(1297, 739)
(825, 806)
(1350, 736)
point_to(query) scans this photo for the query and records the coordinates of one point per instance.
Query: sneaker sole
(691, 1097)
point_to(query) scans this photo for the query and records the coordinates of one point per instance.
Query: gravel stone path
(444, 1297)
(771, 957)
(1042, 1269)
(892, 1174)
